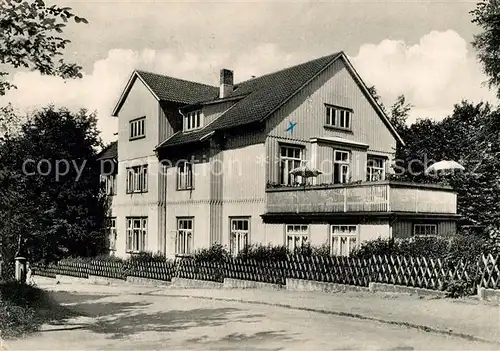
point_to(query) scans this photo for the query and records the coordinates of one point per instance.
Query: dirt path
(152, 322)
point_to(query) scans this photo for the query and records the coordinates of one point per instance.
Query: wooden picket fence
(489, 268)
(420, 272)
(190, 268)
(152, 270)
(273, 272)
(341, 270)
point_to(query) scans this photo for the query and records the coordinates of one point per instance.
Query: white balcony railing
(382, 196)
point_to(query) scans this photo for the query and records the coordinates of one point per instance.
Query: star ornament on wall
(291, 127)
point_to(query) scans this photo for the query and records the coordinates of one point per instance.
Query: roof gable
(110, 152)
(165, 88)
(262, 96)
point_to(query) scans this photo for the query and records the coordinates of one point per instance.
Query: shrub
(147, 257)
(430, 247)
(303, 250)
(309, 250)
(19, 307)
(264, 253)
(466, 247)
(460, 288)
(463, 246)
(216, 253)
(376, 247)
(323, 250)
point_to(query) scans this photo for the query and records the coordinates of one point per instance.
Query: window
(297, 235)
(137, 128)
(108, 184)
(111, 232)
(184, 237)
(137, 179)
(338, 117)
(193, 120)
(184, 175)
(341, 164)
(240, 234)
(375, 169)
(424, 230)
(136, 234)
(290, 158)
(344, 239)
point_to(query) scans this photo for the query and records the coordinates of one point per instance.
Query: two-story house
(200, 164)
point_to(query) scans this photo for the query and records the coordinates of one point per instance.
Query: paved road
(149, 322)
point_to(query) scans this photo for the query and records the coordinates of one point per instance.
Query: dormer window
(193, 120)
(338, 117)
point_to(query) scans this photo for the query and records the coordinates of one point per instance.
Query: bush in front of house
(145, 257)
(463, 246)
(215, 253)
(412, 247)
(260, 252)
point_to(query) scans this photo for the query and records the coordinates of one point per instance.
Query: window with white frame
(137, 179)
(184, 236)
(137, 128)
(341, 166)
(297, 235)
(193, 120)
(344, 239)
(108, 184)
(110, 226)
(375, 169)
(338, 117)
(239, 234)
(137, 229)
(184, 175)
(424, 230)
(290, 158)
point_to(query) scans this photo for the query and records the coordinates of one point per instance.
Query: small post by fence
(21, 269)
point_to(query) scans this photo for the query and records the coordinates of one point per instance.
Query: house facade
(199, 164)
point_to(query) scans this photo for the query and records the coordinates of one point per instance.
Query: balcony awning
(354, 217)
(337, 141)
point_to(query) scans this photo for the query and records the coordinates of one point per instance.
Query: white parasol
(444, 166)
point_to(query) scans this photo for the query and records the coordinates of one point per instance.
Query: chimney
(226, 83)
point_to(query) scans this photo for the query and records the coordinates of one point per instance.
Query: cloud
(100, 89)
(434, 74)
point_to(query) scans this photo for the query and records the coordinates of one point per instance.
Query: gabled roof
(165, 88)
(264, 95)
(109, 152)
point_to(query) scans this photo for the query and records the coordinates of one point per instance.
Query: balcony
(384, 196)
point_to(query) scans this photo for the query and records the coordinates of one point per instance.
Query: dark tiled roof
(262, 96)
(178, 90)
(111, 151)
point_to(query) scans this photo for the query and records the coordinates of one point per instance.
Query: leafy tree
(30, 38)
(470, 137)
(487, 43)
(399, 113)
(10, 122)
(373, 91)
(50, 199)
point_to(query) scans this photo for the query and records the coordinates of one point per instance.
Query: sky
(417, 48)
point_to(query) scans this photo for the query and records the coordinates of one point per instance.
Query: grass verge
(23, 309)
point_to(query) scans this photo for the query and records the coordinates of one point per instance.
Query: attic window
(193, 120)
(338, 117)
(137, 128)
